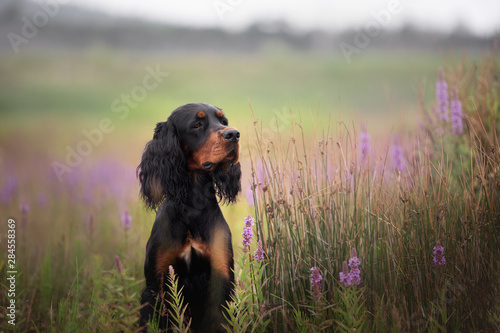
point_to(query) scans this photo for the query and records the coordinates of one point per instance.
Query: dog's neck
(201, 190)
(201, 196)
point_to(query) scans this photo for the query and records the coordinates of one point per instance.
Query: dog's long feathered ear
(162, 171)
(227, 182)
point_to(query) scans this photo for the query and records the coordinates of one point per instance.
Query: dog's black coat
(190, 164)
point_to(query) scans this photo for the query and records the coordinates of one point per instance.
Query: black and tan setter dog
(186, 169)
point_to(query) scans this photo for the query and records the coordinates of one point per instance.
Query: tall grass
(68, 235)
(317, 199)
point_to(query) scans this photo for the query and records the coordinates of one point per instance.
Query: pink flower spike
(345, 278)
(354, 264)
(457, 126)
(439, 259)
(24, 208)
(126, 220)
(352, 277)
(249, 221)
(247, 233)
(118, 264)
(171, 271)
(398, 158)
(316, 281)
(442, 96)
(364, 144)
(249, 196)
(259, 253)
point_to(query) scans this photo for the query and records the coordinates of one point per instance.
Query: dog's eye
(224, 122)
(197, 125)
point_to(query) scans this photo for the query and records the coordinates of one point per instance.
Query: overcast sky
(480, 16)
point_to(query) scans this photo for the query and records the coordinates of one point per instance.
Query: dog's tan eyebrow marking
(220, 114)
(200, 114)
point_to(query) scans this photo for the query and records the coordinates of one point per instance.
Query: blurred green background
(51, 98)
(64, 78)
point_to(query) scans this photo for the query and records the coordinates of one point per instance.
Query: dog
(190, 165)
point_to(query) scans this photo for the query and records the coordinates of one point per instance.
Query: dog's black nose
(231, 134)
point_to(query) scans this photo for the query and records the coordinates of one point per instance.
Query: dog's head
(196, 139)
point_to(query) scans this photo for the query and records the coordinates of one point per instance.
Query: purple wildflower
(354, 264)
(259, 252)
(249, 221)
(316, 281)
(8, 190)
(441, 96)
(247, 237)
(249, 196)
(457, 126)
(24, 208)
(345, 277)
(398, 156)
(42, 200)
(353, 277)
(126, 220)
(247, 233)
(439, 258)
(171, 272)
(364, 144)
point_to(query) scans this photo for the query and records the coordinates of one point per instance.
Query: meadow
(336, 157)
